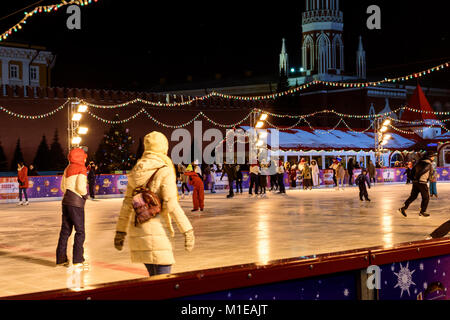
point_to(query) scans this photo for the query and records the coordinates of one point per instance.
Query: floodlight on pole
(76, 140)
(384, 129)
(259, 143)
(82, 130)
(263, 117)
(259, 125)
(386, 122)
(82, 108)
(76, 117)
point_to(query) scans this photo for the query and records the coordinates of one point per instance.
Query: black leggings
(184, 186)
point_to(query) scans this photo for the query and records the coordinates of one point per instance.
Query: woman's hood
(77, 156)
(145, 166)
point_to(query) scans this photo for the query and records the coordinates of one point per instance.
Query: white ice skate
(26, 203)
(20, 203)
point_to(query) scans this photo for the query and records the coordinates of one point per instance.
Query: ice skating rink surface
(229, 232)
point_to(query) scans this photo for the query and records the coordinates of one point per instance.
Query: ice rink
(229, 232)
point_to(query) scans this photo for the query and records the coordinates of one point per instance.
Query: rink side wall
(408, 271)
(47, 188)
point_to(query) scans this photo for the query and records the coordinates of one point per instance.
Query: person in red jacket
(198, 195)
(22, 178)
(74, 186)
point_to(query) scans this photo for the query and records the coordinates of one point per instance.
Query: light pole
(74, 128)
(381, 137)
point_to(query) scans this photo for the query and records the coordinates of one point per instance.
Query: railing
(350, 268)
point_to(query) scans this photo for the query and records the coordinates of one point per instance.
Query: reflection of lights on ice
(404, 277)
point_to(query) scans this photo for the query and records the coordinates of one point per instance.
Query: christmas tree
(113, 153)
(18, 156)
(42, 159)
(58, 160)
(140, 149)
(3, 160)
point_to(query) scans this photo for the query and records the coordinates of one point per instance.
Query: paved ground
(228, 232)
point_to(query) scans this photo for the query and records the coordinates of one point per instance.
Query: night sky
(133, 45)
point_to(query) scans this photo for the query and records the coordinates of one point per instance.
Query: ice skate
(26, 203)
(64, 264)
(20, 203)
(424, 214)
(84, 266)
(402, 210)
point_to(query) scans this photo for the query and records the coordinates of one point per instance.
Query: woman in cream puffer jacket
(149, 242)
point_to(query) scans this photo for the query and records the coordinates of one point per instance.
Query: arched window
(323, 47)
(308, 51)
(338, 50)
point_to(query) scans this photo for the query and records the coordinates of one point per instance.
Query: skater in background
(198, 195)
(22, 179)
(280, 175)
(32, 171)
(334, 166)
(213, 178)
(306, 175)
(361, 181)
(263, 179)
(293, 175)
(372, 172)
(92, 168)
(73, 184)
(340, 174)
(274, 177)
(239, 178)
(254, 179)
(149, 242)
(409, 173)
(422, 173)
(230, 171)
(433, 181)
(207, 177)
(183, 179)
(350, 168)
(315, 171)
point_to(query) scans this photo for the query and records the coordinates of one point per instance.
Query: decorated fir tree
(140, 149)
(17, 157)
(42, 159)
(58, 160)
(3, 160)
(114, 152)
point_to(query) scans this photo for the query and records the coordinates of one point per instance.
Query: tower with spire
(283, 60)
(361, 61)
(322, 43)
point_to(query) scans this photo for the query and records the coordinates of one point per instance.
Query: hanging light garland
(33, 117)
(275, 95)
(41, 9)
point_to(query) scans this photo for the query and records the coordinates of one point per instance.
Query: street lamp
(74, 129)
(381, 126)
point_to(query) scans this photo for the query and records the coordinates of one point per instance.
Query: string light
(39, 10)
(35, 117)
(274, 95)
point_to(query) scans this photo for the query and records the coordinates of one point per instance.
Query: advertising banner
(424, 279)
(116, 184)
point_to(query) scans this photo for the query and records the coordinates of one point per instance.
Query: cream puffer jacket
(149, 242)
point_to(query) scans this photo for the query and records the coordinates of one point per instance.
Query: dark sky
(133, 44)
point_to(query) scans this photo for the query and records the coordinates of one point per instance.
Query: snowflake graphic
(404, 277)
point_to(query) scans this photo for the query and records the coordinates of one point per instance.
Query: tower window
(34, 73)
(14, 72)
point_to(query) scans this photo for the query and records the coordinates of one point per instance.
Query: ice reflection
(386, 223)
(263, 236)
